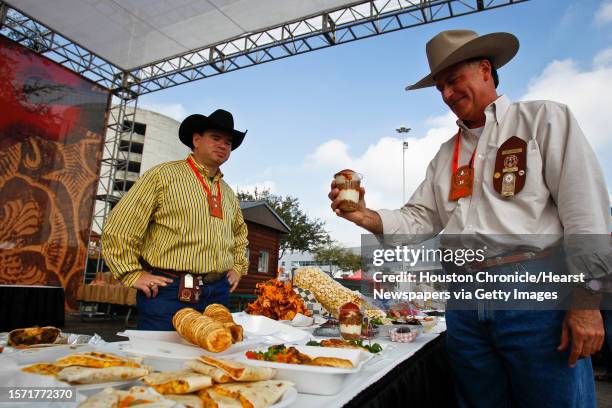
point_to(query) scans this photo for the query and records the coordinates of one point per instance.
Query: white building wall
(161, 139)
(161, 144)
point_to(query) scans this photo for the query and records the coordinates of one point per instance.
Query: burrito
(177, 382)
(187, 400)
(212, 399)
(240, 371)
(218, 375)
(219, 313)
(236, 330)
(96, 360)
(258, 394)
(87, 375)
(33, 335)
(43, 369)
(136, 396)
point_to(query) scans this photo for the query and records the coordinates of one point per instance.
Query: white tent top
(133, 33)
(141, 46)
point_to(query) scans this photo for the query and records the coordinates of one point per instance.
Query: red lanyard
(456, 154)
(199, 176)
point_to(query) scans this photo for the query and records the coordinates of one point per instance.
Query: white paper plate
(46, 354)
(270, 330)
(169, 344)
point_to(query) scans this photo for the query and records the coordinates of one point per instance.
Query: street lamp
(402, 130)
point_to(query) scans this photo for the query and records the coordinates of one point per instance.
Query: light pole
(402, 130)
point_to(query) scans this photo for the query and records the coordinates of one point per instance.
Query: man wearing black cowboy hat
(524, 170)
(178, 235)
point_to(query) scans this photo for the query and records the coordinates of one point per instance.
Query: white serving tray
(45, 354)
(315, 379)
(271, 330)
(169, 344)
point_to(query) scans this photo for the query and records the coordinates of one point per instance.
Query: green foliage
(333, 254)
(306, 234)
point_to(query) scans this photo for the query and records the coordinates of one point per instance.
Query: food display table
(414, 373)
(31, 305)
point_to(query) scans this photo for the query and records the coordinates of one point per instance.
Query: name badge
(510, 167)
(188, 281)
(214, 206)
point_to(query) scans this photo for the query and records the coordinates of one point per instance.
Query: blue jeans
(156, 313)
(607, 354)
(509, 358)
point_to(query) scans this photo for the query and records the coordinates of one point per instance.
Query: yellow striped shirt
(164, 219)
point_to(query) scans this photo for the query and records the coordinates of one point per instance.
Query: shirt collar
(203, 171)
(497, 109)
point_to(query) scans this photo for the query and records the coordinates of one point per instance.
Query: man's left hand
(587, 333)
(233, 278)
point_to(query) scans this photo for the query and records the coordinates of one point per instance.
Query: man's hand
(587, 332)
(233, 278)
(148, 283)
(362, 216)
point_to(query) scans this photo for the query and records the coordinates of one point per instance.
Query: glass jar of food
(349, 184)
(350, 319)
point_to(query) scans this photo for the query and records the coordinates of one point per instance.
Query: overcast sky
(312, 115)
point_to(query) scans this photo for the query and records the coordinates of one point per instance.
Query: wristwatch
(594, 285)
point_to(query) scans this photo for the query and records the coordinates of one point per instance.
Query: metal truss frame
(43, 40)
(120, 127)
(361, 20)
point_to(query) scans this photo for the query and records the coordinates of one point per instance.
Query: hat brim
(500, 48)
(197, 123)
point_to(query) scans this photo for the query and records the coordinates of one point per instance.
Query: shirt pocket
(534, 184)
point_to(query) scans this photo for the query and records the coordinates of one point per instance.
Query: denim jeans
(509, 358)
(156, 313)
(607, 353)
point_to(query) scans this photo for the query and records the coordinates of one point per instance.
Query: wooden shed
(265, 228)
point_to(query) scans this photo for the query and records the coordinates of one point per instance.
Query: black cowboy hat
(219, 120)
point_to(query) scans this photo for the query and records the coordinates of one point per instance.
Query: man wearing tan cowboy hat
(519, 169)
(178, 235)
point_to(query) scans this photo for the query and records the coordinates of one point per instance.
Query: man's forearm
(371, 221)
(582, 299)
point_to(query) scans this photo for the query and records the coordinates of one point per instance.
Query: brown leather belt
(509, 259)
(210, 277)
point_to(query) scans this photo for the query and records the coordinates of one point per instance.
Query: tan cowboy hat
(452, 46)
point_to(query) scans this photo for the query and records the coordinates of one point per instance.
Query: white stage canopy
(134, 33)
(147, 45)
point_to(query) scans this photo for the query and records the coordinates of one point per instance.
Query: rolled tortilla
(109, 397)
(187, 400)
(258, 394)
(33, 335)
(213, 399)
(86, 375)
(96, 360)
(240, 371)
(236, 330)
(217, 374)
(136, 396)
(177, 382)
